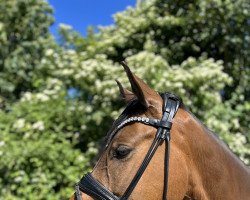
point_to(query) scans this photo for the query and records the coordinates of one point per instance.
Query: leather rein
(89, 185)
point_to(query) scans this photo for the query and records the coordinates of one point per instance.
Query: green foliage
(23, 37)
(37, 155)
(198, 49)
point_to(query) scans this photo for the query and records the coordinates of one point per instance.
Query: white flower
(18, 179)
(39, 125)
(20, 123)
(67, 72)
(71, 51)
(49, 52)
(42, 97)
(2, 143)
(88, 108)
(83, 127)
(27, 96)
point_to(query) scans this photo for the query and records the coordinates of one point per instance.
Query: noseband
(89, 185)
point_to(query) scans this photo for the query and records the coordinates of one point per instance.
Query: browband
(144, 120)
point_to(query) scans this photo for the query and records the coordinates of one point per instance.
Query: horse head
(141, 162)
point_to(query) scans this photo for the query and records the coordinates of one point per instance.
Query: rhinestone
(139, 118)
(147, 119)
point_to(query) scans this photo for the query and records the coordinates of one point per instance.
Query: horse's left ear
(125, 93)
(141, 90)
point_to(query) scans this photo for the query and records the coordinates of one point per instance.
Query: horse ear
(125, 94)
(141, 90)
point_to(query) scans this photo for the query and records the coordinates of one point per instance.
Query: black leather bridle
(89, 185)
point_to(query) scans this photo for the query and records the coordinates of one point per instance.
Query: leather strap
(142, 168)
(89, 185)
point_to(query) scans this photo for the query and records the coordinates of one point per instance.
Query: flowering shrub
(49, 134)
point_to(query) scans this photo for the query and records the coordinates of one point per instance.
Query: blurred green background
(59, 97)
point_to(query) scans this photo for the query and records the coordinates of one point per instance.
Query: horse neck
(214, 169)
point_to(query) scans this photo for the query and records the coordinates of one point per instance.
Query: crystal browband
(145, 120)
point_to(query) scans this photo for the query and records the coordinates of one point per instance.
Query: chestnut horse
(201, 167)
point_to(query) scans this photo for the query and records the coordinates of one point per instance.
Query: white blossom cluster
(53, 89)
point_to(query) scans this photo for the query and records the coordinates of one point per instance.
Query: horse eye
(121, 152)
